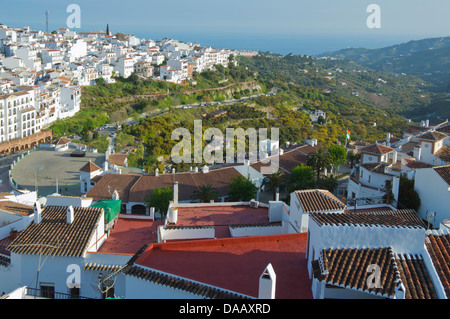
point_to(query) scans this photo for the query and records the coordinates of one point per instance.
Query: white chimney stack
(173, 215)
(175, 193)
(267, 283)
(156, 171)
(152, 213)
(70, 214)
(37, 212)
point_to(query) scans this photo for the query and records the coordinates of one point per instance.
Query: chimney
(115, 195)
(400, 291)
(173, 170)
(388, 139)
(156, 172)
(205, 169)
(196, 169)
(70, 215)
(37, 212)
(267, 283)
(427, 123)
(394, 157)
(175, 193)
(173, 215)
(152, 213)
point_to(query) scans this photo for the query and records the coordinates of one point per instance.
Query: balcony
(32, 293)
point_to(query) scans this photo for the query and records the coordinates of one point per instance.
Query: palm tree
(353, 158)
(274, 181)
(319, 160)
(205, 193)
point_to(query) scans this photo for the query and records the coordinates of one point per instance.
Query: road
(5, 163)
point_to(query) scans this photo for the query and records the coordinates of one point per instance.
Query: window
(74, 292)
(47, 290)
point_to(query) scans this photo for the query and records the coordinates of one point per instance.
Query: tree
(301, 177)
(107, 29)
(242, 189)
(319, 160)
(407, 196)
(329, 183)
(353, 158)
(160, 199)
(205, 193)
(274, 181)
(338, 155)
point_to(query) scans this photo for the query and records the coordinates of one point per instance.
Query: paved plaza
(46, 167)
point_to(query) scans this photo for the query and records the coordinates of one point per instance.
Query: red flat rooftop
(129, 235)
(221, 215)
(236, 263)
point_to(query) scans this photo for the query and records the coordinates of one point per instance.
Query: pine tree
(107, 29)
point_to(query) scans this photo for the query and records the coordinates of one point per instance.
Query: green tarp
(111, 207)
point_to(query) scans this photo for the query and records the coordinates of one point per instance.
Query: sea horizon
(276, 42)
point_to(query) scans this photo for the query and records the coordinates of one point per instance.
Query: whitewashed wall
(258, 231)
(185, 233)
(434, 195)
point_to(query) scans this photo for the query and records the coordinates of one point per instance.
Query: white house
(433, 187)
(305, 202)
(371, 254)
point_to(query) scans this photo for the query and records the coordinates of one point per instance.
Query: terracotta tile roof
(15, 208)
(101, 267)
(54, 236)
(415, 164)
(433, 136)
(375, 167)
(318, 200)
(90, 167)
(415, 277)
(109, 183)
(444, 172)
(289, 159)
(444, 153)
(377, 149)
(62, 141)
(414, 129)
(135, 188)
(4, 261)
(349, 268)
(438, 246)
(398, 218)
(117, 159)
(444, 129)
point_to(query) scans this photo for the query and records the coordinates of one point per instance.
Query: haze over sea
(276, 43)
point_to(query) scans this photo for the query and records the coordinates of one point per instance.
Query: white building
(433, 187)
(370, 255)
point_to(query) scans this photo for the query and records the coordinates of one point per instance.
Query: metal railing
(38, 293)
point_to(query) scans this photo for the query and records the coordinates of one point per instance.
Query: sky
(400, 19)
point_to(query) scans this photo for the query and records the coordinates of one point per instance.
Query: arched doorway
(138, 210)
